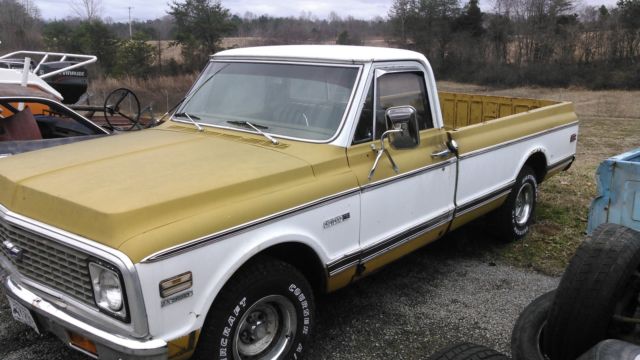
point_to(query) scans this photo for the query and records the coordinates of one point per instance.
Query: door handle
(441, 153)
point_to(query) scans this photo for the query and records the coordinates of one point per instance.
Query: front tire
(266, 311)
(515, 216)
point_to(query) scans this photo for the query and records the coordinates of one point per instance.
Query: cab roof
(337, 53)
(17, 91)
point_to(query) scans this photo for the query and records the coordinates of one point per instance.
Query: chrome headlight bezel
(99, 269)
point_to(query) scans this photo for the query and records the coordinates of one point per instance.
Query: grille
(47, 262)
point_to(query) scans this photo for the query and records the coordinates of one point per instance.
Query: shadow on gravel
(450, 291)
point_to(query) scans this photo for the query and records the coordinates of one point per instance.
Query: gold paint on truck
(116, 191)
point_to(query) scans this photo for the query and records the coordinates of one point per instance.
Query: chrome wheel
(524, 204)
(266, 329)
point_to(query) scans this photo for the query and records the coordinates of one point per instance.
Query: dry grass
(609, 125)
(167, 50)
(170, 51)
(161, 93)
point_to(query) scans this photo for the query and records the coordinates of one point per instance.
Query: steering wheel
(122, 110)
(147, 118)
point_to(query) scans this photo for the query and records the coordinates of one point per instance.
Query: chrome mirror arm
(381, 151)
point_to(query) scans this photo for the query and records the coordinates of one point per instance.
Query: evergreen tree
(200, 26)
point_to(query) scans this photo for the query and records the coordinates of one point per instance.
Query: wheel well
(538, 162)
(303, 258)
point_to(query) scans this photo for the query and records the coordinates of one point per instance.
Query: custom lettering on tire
(264, 312)
(225, 340)
(306, 315)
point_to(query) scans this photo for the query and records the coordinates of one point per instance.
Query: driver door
(400, 211)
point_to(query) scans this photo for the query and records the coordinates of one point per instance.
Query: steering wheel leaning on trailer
(65, 76)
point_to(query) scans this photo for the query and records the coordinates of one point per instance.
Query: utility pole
(130, 32)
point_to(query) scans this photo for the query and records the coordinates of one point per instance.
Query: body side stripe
(460, 210)
(388, 244)
(409, 174)
(561, 163)
(221, 235)
(515, 141)
(408, 235)
(482, 200)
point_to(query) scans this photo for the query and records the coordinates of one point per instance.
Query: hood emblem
(12, 250)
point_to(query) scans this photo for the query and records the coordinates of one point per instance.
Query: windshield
(300, 101)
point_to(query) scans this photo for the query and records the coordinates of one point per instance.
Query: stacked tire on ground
(593, 314)
(597, 299)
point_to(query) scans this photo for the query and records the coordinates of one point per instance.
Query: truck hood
(112, 189)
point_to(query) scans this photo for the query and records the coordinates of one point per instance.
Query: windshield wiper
(246, 123)
(257, 128)
(191, 118)
(187, 115)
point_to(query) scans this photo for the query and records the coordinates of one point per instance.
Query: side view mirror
(403, 118)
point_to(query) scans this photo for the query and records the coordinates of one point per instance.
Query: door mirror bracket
(404, 134)
(382, 151)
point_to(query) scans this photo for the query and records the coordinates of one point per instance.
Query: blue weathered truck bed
(618, 199)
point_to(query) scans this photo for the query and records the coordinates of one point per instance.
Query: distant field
(161, 93)
(173, 52)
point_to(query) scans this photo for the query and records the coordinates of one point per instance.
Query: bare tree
(399, 12)
(87, 9)
(19, 25)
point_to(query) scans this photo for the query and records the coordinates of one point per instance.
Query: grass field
(609, 125)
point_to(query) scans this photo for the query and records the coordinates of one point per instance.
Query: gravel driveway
(431, 298)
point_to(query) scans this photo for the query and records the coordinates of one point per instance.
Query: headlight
(107, 290)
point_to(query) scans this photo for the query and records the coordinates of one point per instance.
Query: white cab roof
(341, 53)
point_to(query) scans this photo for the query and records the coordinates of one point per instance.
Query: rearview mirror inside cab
(403, 118)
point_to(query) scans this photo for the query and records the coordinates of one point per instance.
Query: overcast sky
(151, 9)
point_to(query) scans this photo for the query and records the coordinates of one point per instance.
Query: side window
(398, 89)
(364, 130)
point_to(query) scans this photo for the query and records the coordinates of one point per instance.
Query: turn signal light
(82, 343)
(176, 284)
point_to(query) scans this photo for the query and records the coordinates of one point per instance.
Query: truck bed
(489, 130)
(478, 122)
(618, 199)
(460, 110)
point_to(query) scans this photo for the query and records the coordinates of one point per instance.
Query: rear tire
(467, 351)
(527, 333)
(601, 281)
(516, 214)
(265, 311)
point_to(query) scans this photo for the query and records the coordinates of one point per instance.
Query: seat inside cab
(21, 125)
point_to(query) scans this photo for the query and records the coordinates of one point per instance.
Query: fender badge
(336, 220)
(175, 299)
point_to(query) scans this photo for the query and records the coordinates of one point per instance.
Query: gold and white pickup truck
(285, 171)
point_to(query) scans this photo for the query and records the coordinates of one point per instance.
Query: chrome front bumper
(109, 346)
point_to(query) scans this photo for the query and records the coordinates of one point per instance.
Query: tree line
(535, 42)
(539, 42)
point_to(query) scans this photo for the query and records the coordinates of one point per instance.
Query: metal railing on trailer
(44, 56)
